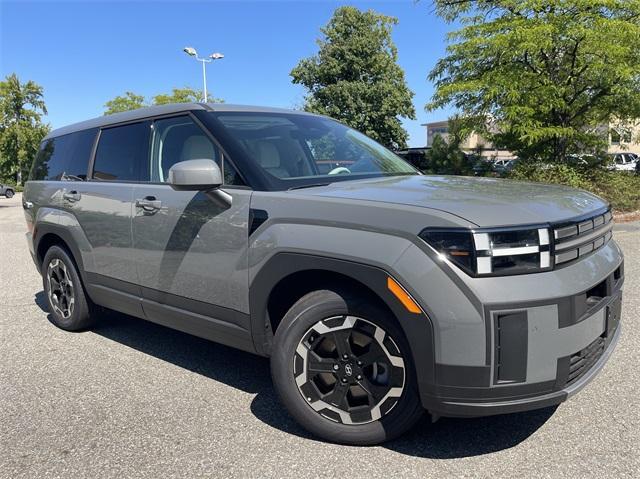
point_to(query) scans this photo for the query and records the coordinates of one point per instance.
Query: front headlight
(491, 252)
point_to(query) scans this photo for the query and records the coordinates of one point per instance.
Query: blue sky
(85, 53)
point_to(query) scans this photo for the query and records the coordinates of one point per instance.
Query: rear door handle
(71, 196)
(149, 203)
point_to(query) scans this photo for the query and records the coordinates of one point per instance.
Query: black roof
(168, 109)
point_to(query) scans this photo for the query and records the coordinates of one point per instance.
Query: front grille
(578, 238)
(584, 360)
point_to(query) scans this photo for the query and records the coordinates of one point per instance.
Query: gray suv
(7, 191)
(376, 291)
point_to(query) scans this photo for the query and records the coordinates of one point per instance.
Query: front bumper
(466, 407)
(511, 344)
(541, 354)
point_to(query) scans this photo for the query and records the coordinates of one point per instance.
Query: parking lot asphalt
(133, 399)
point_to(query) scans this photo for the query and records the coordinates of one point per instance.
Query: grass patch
(619, 188)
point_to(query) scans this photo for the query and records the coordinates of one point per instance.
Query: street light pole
(214, 56)
(204, 81)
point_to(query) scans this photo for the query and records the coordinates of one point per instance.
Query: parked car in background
(504, 166)
(622, 161)
(579, 160)
(376, 291)
(482, 166)
(7, 191)
(416, 156)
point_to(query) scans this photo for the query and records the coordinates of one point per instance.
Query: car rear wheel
(8, 193)
(341, 366)
(68, 303)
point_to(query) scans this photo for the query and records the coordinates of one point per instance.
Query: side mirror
(195, 175)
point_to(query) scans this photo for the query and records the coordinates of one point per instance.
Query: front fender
(417, 328)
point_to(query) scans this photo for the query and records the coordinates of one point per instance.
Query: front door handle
(149, 204)
(71, 196)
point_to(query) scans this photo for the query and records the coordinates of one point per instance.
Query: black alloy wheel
(70, 307)
(349, 370)
(343, 368)
(61, 288)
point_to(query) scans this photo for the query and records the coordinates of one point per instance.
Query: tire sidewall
(8, 194)
(303, 315)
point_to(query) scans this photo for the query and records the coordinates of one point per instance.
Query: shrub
(621, 189)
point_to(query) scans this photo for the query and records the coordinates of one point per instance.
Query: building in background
(622, 138)
(474, 143)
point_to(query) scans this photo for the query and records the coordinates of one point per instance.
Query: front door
(190, 252)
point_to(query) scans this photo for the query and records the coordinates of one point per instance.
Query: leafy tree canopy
(126, 102)
(549, 74)
(182, 95)
(21, 128)
(133, 101)
(355, 77)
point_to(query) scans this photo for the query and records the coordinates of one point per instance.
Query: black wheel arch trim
(47, 228)
(416, 327)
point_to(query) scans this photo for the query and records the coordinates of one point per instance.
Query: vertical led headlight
(493, 251)
(456, 245)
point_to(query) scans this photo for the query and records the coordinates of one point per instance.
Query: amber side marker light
(399, 292)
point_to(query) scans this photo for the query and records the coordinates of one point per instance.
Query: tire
(8, 194)
(360, 420)
(61, 280)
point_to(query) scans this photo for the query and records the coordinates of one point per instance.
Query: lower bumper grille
(584, 360)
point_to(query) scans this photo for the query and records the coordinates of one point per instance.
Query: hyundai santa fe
(376, 291)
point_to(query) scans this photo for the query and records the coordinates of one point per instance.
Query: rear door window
(122, 153)
(79, 154)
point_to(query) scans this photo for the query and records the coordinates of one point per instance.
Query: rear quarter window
(51, 159)
(64, 157)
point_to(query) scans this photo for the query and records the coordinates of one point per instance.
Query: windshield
(301, 150)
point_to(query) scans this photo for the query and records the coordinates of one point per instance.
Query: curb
(620, 217)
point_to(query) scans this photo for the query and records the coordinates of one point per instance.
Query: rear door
(103, 207)
(191, 253)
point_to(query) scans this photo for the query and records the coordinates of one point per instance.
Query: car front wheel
(8, 193)
(341, 366)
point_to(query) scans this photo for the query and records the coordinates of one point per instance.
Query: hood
(486, 202)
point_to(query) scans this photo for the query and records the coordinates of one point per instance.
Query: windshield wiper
(312, 185)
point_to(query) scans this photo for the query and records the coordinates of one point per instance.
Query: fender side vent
(256, 218)
(511, 344)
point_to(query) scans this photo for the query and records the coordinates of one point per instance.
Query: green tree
(21, 128)
(355, 77)
(548, 73)
(446, 156)
(133, 101)
(126, 102)
(183, 95)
